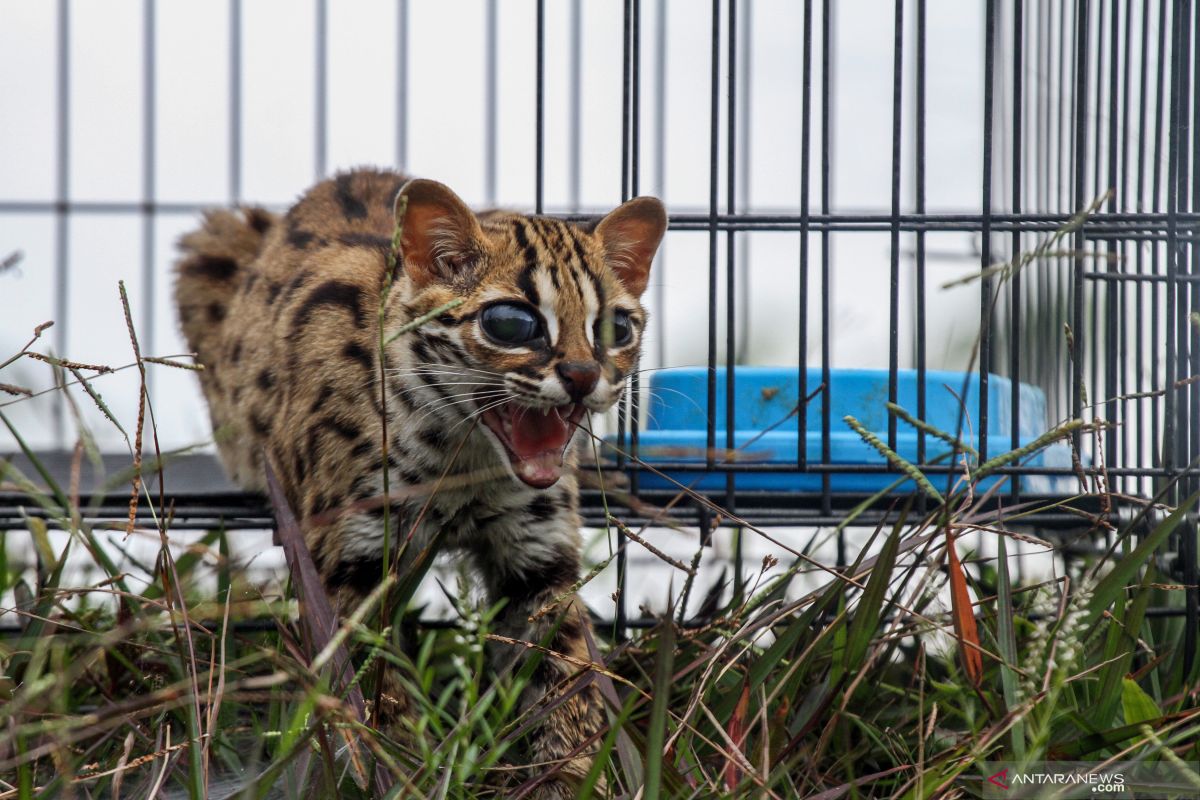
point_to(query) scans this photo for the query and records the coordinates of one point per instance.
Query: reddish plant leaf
(737, 732)
(964, 616)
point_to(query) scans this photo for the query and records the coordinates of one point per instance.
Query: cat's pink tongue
(537, 442)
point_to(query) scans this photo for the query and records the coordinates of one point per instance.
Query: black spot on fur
(411, 478)
(273, 290)
(300, 238)
(520, 233)
(569, 630)
(216, 312)
(525, 280)
(552, 671)
(258, 219)
(266, 380)
(525, 284)
(450, 319)
(320, 503)
(597, 285)
(361, 449)
(421, 351)
(294, 283)
(335, 294)
(235, 355)
(433, 437)
(347, 430)
(370, 241)
(542, 508)
(323, 395)
(352, 206)
(215, 268)
(528, 372)
(436, 385)
(555, 574)
(259, 425)
(361, 574)
(356, 352)
(319, 560)
(444, 346)
(577, 244)
(377, 464)
(401, 395)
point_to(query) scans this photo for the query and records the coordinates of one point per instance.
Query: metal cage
(1090, 104)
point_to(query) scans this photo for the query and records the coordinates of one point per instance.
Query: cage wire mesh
(1085, 105)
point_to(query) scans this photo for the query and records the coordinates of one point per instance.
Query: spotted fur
(282, 311)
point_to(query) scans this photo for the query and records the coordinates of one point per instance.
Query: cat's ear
(631, 234)
(440, 237)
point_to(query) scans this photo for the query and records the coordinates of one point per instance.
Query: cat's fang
(534, 440)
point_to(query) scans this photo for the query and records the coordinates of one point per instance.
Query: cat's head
(549, 322)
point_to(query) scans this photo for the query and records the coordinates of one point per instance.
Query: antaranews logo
(1084, 779)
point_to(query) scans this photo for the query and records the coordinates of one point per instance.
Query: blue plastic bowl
(676, 417)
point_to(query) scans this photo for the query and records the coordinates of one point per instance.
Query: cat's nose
(578, 377)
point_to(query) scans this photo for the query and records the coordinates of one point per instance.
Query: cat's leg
(562, 693)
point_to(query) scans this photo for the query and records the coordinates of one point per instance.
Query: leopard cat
(484, 402)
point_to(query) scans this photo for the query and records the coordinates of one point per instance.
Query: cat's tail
(214, 264)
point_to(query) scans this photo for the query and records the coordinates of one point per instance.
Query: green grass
(867, 686)
(857, 687)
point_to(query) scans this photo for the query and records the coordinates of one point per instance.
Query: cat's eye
(621, 331)
(512, 324)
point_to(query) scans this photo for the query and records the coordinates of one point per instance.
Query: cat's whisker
(411, 389)
(644, 409)
(458, 368)
(444, 365)
(492, 393)
(447, 373)
(657, 369)
(433, 407)
(479, 412)
(654, 394)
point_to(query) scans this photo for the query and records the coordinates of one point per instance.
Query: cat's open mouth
(534, 439)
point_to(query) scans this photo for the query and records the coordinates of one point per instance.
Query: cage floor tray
(767, 427)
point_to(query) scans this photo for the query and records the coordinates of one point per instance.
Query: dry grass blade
(37, 334)
(167, 362)
(68, 364)
(676, 563)
(136, 481)
(99, 401)
(896, 460)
